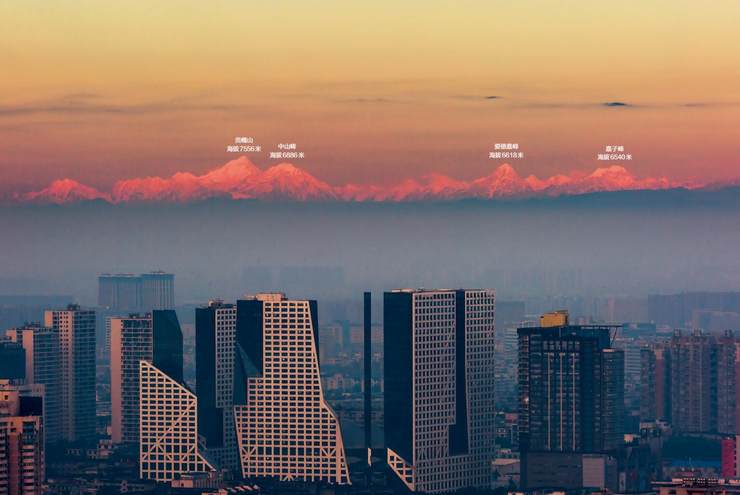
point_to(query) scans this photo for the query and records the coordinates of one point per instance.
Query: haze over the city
(615, 243)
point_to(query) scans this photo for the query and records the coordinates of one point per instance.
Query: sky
(371, 92)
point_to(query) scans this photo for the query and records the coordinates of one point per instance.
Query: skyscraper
(168, 415)
(157, 290)
(131, 341)
(129, 292)
(702, 384)
(725, 355)
(286, 429)
(43, 367)
(22, 468)
(120, 292)
(571, 400)
(654, 389)
(215, 330)
(691, 382)
(167, 343)
(76, 329)
(154, 337)
(439, 404)
(367, 382)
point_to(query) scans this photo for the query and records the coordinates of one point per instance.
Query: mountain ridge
(240, 179)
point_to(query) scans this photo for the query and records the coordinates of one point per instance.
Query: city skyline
(370, 247)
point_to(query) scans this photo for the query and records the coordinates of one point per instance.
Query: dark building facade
(571, 398)
(167, 343)
(215, 345)
(12, 360)
(439, 396)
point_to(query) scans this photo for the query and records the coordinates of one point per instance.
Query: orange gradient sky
(371, 91)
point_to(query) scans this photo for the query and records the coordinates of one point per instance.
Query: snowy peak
(231, 174)
(502, 182)
(286, 181)
(241, 179)
(64, 191)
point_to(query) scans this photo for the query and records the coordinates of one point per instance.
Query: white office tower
(168, 415)
(76, 329)
(285, 429)
(439, 374)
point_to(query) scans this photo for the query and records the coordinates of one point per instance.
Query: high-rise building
(367, 372)
(129, 292)
(286, 429)
(167, 347)
(41, 345)
(120, 292)
(571, 400)
(155, 337)
(157, 290)
(702, 382)
(22, 468)
(12, 360)
(168, 415)
(215, 332)
(654, 389)
(725, 356)
(76, 329)
(691, 382)
(131, 341)
(439, 375)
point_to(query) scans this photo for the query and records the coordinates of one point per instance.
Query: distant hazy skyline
(372, 92)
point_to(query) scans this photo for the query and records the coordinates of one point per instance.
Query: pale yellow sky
(375, 90)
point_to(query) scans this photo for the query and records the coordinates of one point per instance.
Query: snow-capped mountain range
(241, 179)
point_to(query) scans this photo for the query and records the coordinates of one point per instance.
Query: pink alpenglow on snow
(241, 179)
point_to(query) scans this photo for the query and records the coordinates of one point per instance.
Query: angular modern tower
(155, 337)
(286, 429)
(439, 408)
(168, 415)
(76, 329)
(215, 328)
